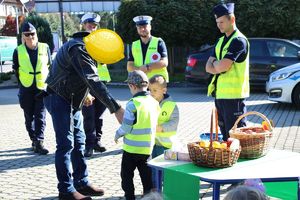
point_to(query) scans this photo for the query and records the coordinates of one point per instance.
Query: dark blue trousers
(228, 112)
(34, 112)
(93, 122)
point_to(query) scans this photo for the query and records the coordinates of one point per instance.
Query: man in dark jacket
(72, 76)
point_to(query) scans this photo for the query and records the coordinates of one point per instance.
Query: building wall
(10, 7)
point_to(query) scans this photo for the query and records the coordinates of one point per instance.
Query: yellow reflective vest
(151, 51)
(234, 83)
(26, 71)
(164, 138)
(141, 139)
(103, 72)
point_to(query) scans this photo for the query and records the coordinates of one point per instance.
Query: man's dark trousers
(34, 112)
(228, 112)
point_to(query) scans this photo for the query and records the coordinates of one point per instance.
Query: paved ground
(25, 175)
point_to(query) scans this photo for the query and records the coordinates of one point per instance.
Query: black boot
(40, 149)
(99, 147)
(89, 151)
(33, 145)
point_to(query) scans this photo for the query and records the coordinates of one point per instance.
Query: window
(257, 48)
(282, 49)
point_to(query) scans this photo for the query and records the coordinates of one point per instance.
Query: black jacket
(73, 75)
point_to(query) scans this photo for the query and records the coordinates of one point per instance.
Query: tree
(179, 23)
(71, 23)
(43, 30)
(263, 18)
(191, 23)
(10, 26)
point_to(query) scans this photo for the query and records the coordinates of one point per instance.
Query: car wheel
(296, 96)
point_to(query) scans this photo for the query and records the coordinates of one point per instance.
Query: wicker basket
(256, 144)
(212, 157)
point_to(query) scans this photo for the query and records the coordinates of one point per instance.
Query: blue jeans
(70, 164)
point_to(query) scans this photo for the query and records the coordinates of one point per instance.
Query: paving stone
(26, 175)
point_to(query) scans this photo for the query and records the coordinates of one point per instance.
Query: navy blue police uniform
(237, 52)
(162, 49)
(93, 114)
(34, 109)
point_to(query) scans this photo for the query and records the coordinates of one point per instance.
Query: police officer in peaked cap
(148, 53)
(93, 114)
(90, 21)
(229, 63)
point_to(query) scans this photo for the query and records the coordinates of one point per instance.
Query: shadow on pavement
(28, 160)
(107, 153)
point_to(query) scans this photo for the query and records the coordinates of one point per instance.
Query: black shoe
(99, 147)
(91, 191)
(88, 152)
(73, 196)
(33, 145)
(39, 148)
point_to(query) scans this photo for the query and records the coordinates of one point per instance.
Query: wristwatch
(148, 67)
(213, 62)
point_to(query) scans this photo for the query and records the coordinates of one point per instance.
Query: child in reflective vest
(167, 120)
(138, 131)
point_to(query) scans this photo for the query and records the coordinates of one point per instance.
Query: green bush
(5, 76)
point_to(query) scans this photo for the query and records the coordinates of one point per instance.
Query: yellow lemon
(216, 145)
(224, 145)
(204, 144)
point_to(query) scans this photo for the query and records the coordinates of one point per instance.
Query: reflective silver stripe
(137, 143)
(127, 121)
(163, 139)
(141, 131)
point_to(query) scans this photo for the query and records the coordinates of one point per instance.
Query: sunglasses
(29, 34)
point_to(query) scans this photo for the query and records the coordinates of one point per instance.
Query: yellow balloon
(105, 46)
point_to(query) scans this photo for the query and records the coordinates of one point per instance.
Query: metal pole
(62, 21)
(17, 20)
(113, 21)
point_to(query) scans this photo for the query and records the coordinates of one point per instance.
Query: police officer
(149, 53)
(229, 64)
(93, 115)
(31, 60)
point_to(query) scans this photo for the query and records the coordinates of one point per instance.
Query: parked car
(7, 47)
(266, 56)
(284, 85)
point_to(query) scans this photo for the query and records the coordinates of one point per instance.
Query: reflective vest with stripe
(141, 139)
(26, 71)
(164, 138)
(137, 54)
(234, 83)
(103, 72)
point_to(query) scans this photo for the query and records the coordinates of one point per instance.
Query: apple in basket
(229, 141)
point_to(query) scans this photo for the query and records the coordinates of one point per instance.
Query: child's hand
(88, 100)
(159, 128)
